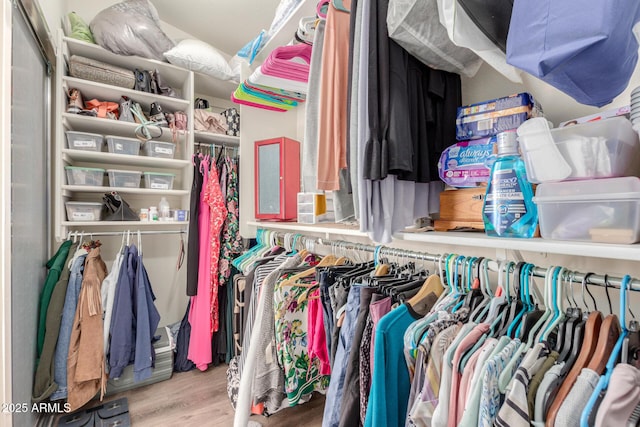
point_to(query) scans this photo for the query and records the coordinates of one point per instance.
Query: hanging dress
(200, 312)
(218, 213)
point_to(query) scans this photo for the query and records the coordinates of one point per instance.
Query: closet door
(30, 237)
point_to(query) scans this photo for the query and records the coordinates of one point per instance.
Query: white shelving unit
(471, 239)
(71, 156)
(123, 190)
(216, 138)
(186, 84)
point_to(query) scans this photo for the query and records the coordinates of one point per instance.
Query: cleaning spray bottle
(508, 209)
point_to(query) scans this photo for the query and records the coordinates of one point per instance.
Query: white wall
(5, 209)
(558, 107)
(53, 11)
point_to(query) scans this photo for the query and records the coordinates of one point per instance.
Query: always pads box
(461, 209)
(491, 117)
(467, 163)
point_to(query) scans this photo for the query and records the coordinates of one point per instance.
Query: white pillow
(196, 55)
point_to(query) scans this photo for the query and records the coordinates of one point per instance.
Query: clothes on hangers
(86, 374)
(44, 382)
(55, 268)
(66, 324)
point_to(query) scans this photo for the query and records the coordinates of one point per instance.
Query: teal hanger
(603, 383)
(558, 312)
(483, 276)
(236, 262)
(339, 5)
(525, 297)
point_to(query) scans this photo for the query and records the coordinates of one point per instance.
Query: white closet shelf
(479, 240)
(104, 92)
(122, 159)
(328, 228)
(109, 127)
(287, 30)
(125, 224)
(171, 74)
(211, 86)
(123, 190)
(216, 138)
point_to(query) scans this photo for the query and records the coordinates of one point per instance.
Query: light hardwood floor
(200, 399)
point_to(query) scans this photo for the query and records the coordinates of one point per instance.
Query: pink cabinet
(277, 178)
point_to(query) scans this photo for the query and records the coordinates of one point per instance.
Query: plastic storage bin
(84, 141)
(601, 149)
(165, 150)
(77, 175)
(600, 210)
(158, 180)
(120, 145)
(83, 211)
(120, 178)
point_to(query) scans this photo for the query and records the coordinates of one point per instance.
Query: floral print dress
(231, 241)
(291, 305)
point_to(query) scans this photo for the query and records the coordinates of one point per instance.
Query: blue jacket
(147, 320)
(122, 329)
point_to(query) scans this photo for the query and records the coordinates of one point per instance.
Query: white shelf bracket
(504, 255)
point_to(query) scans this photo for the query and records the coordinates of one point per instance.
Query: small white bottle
(144, 214)
(153, 213)
(165, 210)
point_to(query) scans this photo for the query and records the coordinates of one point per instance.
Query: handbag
(115, 208)
(103, 109)
(125, 110)
(158, 87)
(143, 81)
(201, 104)
(101, 72)
(584, 48)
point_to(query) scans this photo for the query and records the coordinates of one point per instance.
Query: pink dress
(218, 213)
(200, 311)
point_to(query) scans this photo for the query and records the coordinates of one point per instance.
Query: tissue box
(497, 115)
(607, 114)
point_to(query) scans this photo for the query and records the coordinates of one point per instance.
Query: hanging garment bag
(585, 48)
(415, 25)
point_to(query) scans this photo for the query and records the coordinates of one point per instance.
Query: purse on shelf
(115, 208)
(201, 104)
(125, 110)
(158, 87)
(103, 109)
(143, 81)
(101, 72)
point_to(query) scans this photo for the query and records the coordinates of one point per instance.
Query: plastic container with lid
(78, 175)
(121, 145)
(165, 150)
(83, 211)
(599, 210)
(601, 149)
(122, 178)
(159, 180)
(84, 141)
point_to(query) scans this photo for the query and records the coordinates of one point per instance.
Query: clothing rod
(577, 277)
(223, 144)
(119, 233)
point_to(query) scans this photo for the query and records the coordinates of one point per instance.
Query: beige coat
(85, 363)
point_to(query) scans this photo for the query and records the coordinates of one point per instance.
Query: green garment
(55, 266)
(43, 384)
